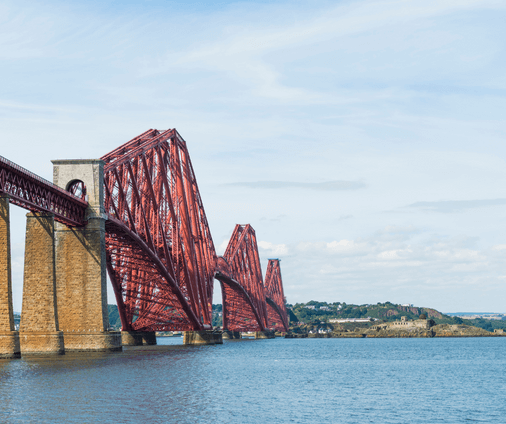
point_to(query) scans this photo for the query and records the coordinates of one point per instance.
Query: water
(265, 381)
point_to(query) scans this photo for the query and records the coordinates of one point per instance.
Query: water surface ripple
(264, 381)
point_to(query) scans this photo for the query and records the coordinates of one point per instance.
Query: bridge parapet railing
(32, 192)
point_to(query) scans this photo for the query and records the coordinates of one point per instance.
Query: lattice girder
(275, 298)
(243, 266)
(152, 190)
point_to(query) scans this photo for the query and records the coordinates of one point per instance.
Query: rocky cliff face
(429, 312)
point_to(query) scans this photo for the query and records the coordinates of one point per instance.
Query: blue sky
(363, 140)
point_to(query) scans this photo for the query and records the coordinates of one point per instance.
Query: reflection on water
(259, 381)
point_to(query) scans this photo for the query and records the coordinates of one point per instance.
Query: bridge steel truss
(159, 250)
(160, 254)
(277, 317)
(29, 191)
(242, 289)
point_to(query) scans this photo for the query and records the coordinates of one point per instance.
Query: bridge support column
(38, 330)
(205, 337)
(267, 334)
(138, 338)
(229, 335)
(81, 264)
(9, 339)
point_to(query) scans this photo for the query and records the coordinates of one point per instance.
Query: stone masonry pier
(81, 263)
(230, 335)
(9, 339)
(39, 331)
(138, 338)
(205, 337)
(267, 334)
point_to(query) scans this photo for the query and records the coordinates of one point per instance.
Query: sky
(364, 141)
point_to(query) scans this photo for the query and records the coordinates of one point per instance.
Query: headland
(384, 320)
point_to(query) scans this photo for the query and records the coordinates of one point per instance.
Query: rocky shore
(404, 328)
(442, 330)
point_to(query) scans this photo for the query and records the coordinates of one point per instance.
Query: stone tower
(81, 263)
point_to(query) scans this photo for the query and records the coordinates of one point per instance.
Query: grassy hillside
(387, 311)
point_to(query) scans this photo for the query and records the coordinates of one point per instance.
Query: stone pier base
(9, 345)
(9, 339)
(38, 331)
(267, 334)
(41, 343)
(206, 337)
(230, 335)
(107, 341)
(138, 338)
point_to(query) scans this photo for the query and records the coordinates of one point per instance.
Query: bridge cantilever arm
(231, 282)
(161, 268)
(276, 308)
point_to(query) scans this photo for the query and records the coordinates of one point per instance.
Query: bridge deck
(29, 191)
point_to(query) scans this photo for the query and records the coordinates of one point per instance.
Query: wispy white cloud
(324, 186)
(344, 217)
(244, 52)
(220, 248)
(451, 206)
(272, 249)
(274, 219)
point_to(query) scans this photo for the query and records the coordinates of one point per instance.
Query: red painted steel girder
(234, 298)
(277, 317)
(160, 254)
(159, 250)
(29, 191)
(244, 309)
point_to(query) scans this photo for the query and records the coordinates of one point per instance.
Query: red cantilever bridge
(160, 255)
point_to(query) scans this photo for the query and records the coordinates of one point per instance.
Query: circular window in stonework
(77, 188)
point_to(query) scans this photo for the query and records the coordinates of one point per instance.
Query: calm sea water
(265, 381)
